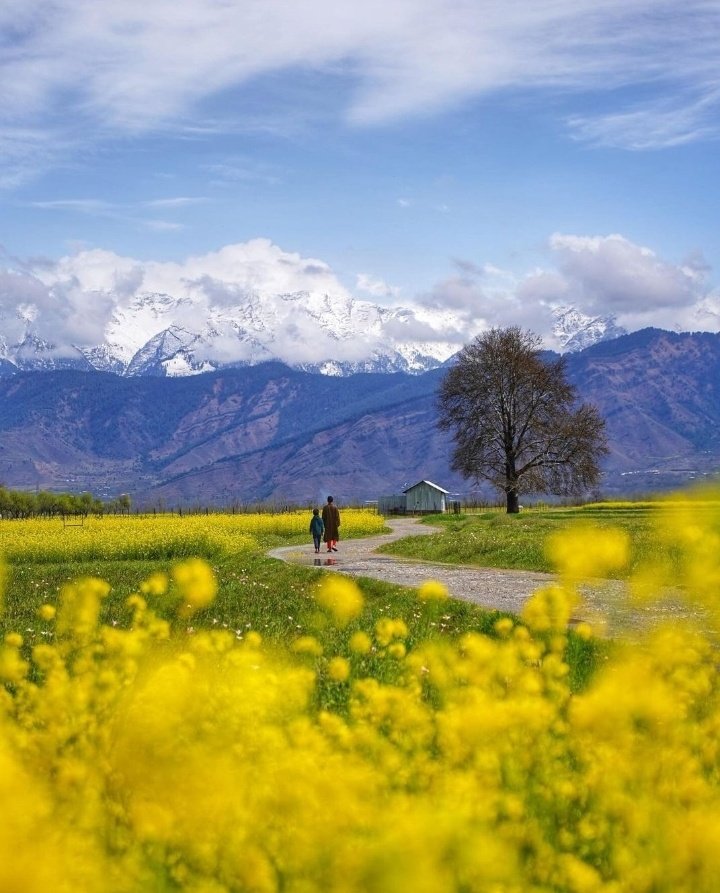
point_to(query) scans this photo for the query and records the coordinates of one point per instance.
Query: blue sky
(475, 155)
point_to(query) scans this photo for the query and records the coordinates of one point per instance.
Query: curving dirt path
(604, 602)
(502, 589)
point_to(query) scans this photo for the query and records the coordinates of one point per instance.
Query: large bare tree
(515, 419)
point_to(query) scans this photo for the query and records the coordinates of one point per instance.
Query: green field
(496, 539)
(255, 593)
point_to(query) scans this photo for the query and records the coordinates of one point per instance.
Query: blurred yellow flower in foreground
(584, 552)
(197, 584)
(338, 669)
(165, 756)
(432, 590)
(341, 598)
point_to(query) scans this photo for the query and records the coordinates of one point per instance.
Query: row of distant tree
(43, 504)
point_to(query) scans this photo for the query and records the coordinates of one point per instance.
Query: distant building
(420, 498)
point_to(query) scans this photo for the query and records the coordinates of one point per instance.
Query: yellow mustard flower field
(122, 537)
(165, 755)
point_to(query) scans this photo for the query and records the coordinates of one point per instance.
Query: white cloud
(598, 275)
(136, 66)
(376, 287)
(483, 294)
(417, 326)
(73, 301)
(657, 125)
(91, 206)
(178, 201)
(163, 226)
(278, 297)
(63, 314)
(283, 304)
(612, 274)
(128, 212)
(248, 266)
(244, 170)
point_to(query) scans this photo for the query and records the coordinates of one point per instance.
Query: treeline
(43, 504)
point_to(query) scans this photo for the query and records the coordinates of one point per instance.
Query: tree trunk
(513, 502)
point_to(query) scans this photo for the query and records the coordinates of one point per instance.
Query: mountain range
(214, 327)
(269, 432)
(161, 335)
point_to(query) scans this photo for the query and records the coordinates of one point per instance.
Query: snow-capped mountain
(576, 331)
(161, 335)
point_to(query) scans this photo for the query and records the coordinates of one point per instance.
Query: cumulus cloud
(119, 69)
(248, 301)
(63, 315)
(485, 296)
(414, 326)
(375, 287)
(254, 300)
(607, 276)
(610, 275)
(257, 265)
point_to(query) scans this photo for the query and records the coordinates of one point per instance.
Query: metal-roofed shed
(425, 497)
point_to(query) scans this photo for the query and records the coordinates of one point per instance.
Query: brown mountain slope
(269, 432)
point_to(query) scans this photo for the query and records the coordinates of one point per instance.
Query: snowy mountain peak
(158, 334)
(576, 331)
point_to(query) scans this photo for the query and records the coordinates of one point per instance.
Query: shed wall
(392, 505)
(425, 499)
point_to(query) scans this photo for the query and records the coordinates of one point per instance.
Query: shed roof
(429, 484)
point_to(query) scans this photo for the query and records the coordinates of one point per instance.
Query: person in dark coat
(316, 528)
(331, 520)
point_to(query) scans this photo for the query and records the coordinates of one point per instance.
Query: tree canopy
(516, 421)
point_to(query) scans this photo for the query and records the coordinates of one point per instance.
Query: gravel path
(491, 588)
(605, 603)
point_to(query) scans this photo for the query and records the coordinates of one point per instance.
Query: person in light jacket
(316, 528)
(331, 520)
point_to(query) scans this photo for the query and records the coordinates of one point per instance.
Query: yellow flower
(14, 640)
(12, 667)
(387, 629)
(46, 612)
(338, 669)
(584, 552)
(306, 645)
(80, 607)
(197, 584)
(137, 602)
(341, 597)
(504, 626)
(360, 642)
(156, 584)
(432, 590)
(548, 609)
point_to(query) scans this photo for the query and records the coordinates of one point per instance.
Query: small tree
(514, 419)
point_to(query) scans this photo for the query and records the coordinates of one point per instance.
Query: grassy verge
(496, 539)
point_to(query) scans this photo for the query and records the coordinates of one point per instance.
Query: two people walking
(326, 526)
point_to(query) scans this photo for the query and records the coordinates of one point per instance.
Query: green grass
(496, 539)
(270, 597)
